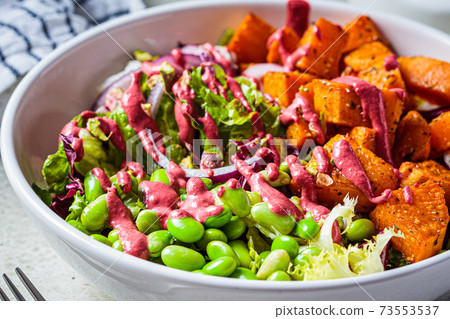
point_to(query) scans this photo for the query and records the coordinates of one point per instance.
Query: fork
(26, 282)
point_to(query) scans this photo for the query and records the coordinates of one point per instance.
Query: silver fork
(26, 282)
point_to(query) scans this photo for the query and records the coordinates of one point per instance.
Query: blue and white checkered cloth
(30, 29)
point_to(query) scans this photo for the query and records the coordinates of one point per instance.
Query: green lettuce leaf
(56, 171)
(43, 194)
(79, 203)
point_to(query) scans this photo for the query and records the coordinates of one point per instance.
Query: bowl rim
(122, 261)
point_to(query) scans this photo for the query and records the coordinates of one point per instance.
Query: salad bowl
(65, 83)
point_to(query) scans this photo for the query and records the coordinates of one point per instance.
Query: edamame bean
(183, 258)
(284, 167)
(92, 187)
(282, 179)
(309, 215)
(147, 221)
(302, 260)
(217, 249)
(279, 275)
(113, 236)
(277, 260)
(220, 220)
(287, 243)
(264, 216)
(243, 273)
(117, 245)
(360, 230)
(186, 229)
(208, 183)
(200, 271)
(157, 241)
(234, 228)
(210, 235)
(236, 199)
(101, 239)
(254, 198)
(183, 196)
(78, 226)
(160, 175)
(306, 229)
(222, 266)
(311, 250)
(241, 250)
(95, 214)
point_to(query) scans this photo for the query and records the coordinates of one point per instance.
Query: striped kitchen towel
(30, 29)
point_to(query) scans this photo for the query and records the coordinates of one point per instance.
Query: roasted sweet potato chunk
(380, 174)
(284, 85)
(338, 102)
(249, 42)
(440, 133)
(413, 139)
(364, 136)
(362, 30)
(298, 133)
(290, 42)
(423, 223)
(367, 56)
(427, 77)
(419, 173)
(326, 42)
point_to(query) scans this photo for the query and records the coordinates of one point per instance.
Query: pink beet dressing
(390, 62)
(161, 198)
(373, 109)
(272, 171)
(124, 179)
(323, 163)
(227, 67)
(176, 175)
(297, 17)
(347, 162)
(199, 203)
(132, 99)
(309, 198)
(235, 88)
(133, 241)
(278, 203)
(136, 168)
(309, 115)
(112, 130)
(104, 180)
(178, 57)
(408, 195)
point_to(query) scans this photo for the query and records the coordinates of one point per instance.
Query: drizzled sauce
(347, 162)
(273, 148)
(226, 65)
(278, 203)
(408, 195)
(400, 93)
(132, 99)
(235, 88)
(323, 163)
(101, 176)
(272, 171)
(112, 130)
(178, 57)
(124, 179)
(390, 62)
(373, 109)
(159, 197)
(136, 168)
(133, 241)
(309, 116)
(257, 125)
(299, 53)
(309, 198)
(297, 17)
(176, 175)
(289, 114)
(199, 203)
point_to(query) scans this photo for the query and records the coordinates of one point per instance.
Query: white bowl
(63, 85)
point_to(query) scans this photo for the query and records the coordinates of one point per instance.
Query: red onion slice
(447, 158)
(154, 98)
(259, 70)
